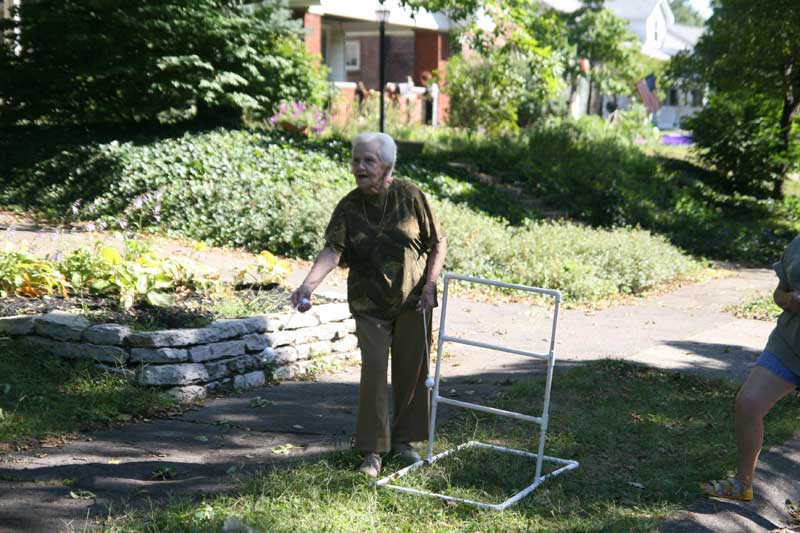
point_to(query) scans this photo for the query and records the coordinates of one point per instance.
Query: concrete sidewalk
(203, 451)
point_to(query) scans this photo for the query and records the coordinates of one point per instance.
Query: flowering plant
(297, 117)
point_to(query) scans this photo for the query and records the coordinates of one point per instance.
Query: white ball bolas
(429, 383)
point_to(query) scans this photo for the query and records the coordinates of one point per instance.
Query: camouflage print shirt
(385, 240)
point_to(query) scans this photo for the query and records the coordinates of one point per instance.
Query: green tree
(685, 13)
(515, 60)
(750, 53)
(612, 50)
(116, 61)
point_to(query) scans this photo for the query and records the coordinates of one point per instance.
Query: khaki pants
(406, 338)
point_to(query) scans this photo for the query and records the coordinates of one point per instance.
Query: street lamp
(382, 15)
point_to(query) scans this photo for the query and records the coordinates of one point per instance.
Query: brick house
(345, 34)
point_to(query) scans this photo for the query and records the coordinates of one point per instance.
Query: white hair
(387, 149)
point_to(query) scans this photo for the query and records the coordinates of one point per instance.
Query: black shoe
(405, 452)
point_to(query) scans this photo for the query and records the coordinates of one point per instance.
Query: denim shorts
(774, 365)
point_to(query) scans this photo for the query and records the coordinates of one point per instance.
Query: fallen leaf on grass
(81, 494)
(285, 449)
(297, 426)
(201, 438)
(258, 401)
(635, 484)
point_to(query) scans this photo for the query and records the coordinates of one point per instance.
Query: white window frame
(352, 55)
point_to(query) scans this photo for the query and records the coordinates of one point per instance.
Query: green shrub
(741, 138)
(128, 62)
(592, 170)
(585, 264)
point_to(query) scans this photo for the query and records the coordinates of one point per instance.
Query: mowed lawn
(644, 439)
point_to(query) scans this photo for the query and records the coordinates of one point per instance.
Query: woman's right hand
(787, 300)
(301, 298)
(793, 302)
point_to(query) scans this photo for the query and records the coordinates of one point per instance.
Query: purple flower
(273, 119)
(123, 223)
(282, 108)
(11, 231)
(59, 256)
(90, 227)
(138, 202)
(41, 234)
(55, 235)
(157, 213)
(76, 206)
(101, 226)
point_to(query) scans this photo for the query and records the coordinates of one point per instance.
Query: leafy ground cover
(622, 176)
(45, 397)
(267, 191)
(757, 307)
(644, 439)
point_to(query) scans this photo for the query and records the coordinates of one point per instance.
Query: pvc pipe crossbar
(490, 410)
(436, 399)
(478, 344)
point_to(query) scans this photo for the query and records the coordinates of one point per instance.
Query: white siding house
(661, 38)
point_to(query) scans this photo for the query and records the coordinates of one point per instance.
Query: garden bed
(191, 311)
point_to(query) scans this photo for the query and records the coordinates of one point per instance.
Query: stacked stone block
(234, 353)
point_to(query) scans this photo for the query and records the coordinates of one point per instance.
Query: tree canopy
(750, 54)
(685, 13)
(116, 61)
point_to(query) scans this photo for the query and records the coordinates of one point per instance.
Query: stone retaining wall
(235, 353)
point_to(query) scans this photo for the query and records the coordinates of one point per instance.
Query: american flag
(647, 90)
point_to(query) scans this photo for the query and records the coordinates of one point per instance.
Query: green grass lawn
(644, 438)
(45, 397)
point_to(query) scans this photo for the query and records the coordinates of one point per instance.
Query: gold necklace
(383, 213)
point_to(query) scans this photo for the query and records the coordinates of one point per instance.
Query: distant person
(614, 116)
(386, 232)
(362, 93)
(776, 374)
(427, 97)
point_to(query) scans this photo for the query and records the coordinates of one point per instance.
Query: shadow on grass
(644, 439)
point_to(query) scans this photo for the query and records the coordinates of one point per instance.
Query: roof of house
(364, 10)
(632, 9)
(688, 34)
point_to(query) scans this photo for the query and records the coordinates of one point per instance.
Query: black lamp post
(383, 16)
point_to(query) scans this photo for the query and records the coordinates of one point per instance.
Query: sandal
(730, 489)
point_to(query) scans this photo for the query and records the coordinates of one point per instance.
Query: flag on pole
(647, 90)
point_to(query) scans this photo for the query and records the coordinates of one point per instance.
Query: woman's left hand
(427, 299)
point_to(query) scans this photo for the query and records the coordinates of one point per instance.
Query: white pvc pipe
(496, 347)
(491, 410)
(538, 290)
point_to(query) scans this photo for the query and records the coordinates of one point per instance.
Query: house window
(352, 56)
(673, 97)
(697, 98)
(655, 30)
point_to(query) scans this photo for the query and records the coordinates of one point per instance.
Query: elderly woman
(385, 232)
(776, 374)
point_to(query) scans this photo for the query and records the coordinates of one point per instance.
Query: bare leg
(758, 395)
